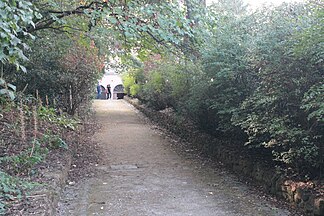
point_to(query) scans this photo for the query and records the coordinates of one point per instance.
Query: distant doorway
(118, 92)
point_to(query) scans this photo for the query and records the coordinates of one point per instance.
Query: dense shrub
(258, 79)
(164, 84)
(64, 71)
(133, 82)
(273, 115)
(156, 92)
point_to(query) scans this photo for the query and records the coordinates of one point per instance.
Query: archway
(118, 92)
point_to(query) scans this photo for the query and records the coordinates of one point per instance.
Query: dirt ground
(142, 174)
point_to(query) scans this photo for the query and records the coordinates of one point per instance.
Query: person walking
(108, 91)
(98, 91)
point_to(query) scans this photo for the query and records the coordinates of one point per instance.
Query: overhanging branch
(47, 21)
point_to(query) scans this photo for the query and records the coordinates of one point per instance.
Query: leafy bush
(156, 91)
(272, 116)
(11, 189)
(167, 84)
(74, 67)
(128, 81)
(133, 81)
(54, 141)
(135, 90)
(15, 16)
(23, 162)
(7, 90)
(258, 79)
(313, 103)
(227, 69)
(62, 120)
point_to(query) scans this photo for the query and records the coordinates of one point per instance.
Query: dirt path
(141, 176)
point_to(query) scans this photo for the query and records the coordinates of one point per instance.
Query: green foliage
(50, 115)
(21, 159)
(11, 189)
(59, 69)
(272, 115)
(166, 82)
(260, 80)
(128, 82)
(156, 91)
(169, 19)
(135, 90)
(7, 90)
(72, 58)
(15, 16)
(132, 82)
(24, 144)
(139, 23)
(26, 160)
(313, 102)
(227, 71)
(54, 141)
(310, 39)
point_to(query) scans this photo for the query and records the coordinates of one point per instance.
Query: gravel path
(140, 175)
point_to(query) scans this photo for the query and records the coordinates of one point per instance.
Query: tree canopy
(138, 23)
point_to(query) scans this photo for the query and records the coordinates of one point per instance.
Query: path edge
(55, 180)
(301, 195)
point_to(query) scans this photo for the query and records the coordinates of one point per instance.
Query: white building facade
(115, 82)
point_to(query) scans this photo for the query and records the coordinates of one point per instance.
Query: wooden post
(47, 101)
(22, 121)
(35, 130)
(71, 99)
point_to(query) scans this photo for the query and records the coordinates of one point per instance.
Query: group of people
(107, 91)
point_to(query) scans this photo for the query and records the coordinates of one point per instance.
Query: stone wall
(300, 194)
